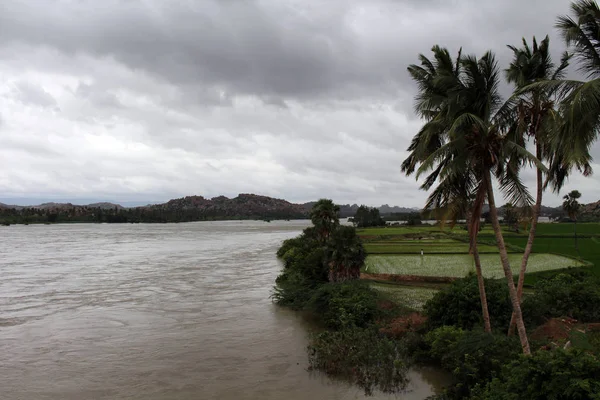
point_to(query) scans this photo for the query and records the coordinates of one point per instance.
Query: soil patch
(399, 326)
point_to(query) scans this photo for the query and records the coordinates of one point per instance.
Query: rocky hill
(242, 206)
(591, 211)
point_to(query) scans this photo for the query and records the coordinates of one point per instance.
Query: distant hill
(347, 210)
(199, 208)
(185, 209)
(243, 206)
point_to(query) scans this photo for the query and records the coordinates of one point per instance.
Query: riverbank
(373, 336)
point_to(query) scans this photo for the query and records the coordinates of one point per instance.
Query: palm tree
(466, 137)
(536, 120)
(454, 196)
(324, 216)
(345, 254)
(581, 103)
(571, 206)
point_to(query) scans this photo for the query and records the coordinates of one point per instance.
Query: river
(155, 311)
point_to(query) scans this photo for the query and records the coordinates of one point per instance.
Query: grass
(410, 296)
(397, 230)
(431, 247)
(458, 265)
(589, 248)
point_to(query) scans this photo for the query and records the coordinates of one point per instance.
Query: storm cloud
(300, 99)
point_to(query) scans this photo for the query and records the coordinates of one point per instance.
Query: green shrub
(347, 304)
(473, 357)
(459, 304)
(575, 294)
(360, 356)
(442, 343)
(304, 271)
(546, 375)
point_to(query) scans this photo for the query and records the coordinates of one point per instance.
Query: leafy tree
(325, 217)
(367, 216)
(571, 207)
(575, 295)
(547, 375)
(473, 357)
(459, 304)
(511, 216)
(464, 140)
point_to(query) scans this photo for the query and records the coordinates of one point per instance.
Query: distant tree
(367, 216)
(511, 216)
(414, 220)
(571, 207)
(52, 217)
(325, 217)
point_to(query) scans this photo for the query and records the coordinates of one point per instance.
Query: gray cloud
(29, 93)
(291, 98)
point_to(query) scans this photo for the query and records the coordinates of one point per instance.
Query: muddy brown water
(155, 311)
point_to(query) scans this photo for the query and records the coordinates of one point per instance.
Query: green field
(410, 296)
(458, 265)
(397, 230)
(396, 250)
(429, 247)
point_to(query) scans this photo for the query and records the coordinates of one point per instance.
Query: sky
(141, 101)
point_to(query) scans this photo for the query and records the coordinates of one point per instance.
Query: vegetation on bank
(371, 335)
(472, 142)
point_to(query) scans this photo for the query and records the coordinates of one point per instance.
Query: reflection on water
(165, 311)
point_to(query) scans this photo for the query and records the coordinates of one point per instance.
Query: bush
(347, 304)
(575, 295)
(546, 375)
(361, 356)
(459, 304)
(472, 357)
(304, 270)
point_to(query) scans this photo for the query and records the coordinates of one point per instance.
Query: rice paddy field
(432, 247)
(397, 250)
(459, 265)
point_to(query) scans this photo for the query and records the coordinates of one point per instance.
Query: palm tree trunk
(512, 291)
(528, 248)
(480, 282)
(482, 296)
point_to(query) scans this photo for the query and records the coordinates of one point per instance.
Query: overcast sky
(148, 100)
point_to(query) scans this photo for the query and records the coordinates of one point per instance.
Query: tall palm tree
(571, 206)
(345, 254)
(463, 110)
(455, 198)
(324, 216)
(536, 120)
(455, 194)
(581, 100)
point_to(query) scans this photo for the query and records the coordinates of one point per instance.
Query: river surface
(155, 311)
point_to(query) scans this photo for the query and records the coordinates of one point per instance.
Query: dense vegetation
(366, 217)
(471, 143)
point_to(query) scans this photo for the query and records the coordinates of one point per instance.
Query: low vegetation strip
(459, 265)
(411, 297)
(427, 248)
